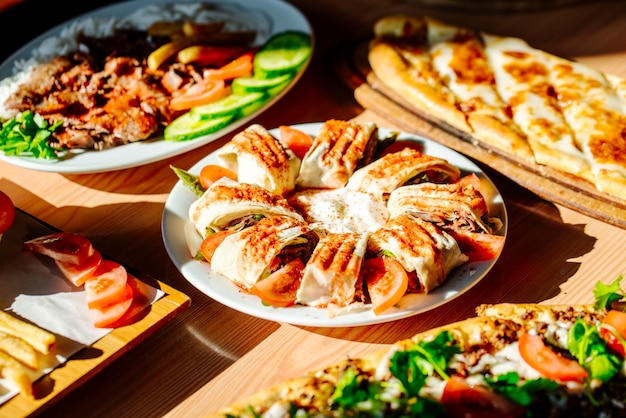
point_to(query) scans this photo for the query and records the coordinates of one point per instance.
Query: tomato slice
(7, 212)
(67, 247)
(108, 315)
(279, 288)
(478, 246)
(211, 173)
(77, 274)
(107, 285)
(462, 400)
(547, 362)
(297, 141)
(386, 281)
(211, 242)
(241, 66)
(206, 91)
(617, 321)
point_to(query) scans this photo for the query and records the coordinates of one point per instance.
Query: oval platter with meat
(100, 91)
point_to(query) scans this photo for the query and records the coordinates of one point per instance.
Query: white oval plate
(179, 236)
(273, 15)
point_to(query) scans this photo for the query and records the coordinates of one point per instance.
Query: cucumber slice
(188, 126)
(244, 85)
(283, 53)
(229, 105)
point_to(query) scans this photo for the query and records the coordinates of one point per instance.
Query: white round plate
(273, 16)
(179, 236)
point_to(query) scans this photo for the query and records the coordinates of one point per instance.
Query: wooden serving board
(92, 359)
(552, 185)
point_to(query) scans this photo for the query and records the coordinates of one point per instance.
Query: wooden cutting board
(552, 185)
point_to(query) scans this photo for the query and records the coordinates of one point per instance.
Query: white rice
(65, 42)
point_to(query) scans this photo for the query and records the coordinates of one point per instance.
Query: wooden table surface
(211, 355)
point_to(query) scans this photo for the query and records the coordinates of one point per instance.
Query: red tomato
(67, 247)
(199, 94)
(7, 212)
(107, 285)
(211, 173)
(108, 315)
(386, 281)
(401, 144)
(78, 273)
(210, 243)
(296, 140)
(551, 365)
(616, 320)
(477, 246)
(280, 288)
(241, 66)
(463, 400)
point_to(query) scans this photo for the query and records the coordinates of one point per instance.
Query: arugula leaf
(605, 295)
(508, 385)
(191, 181)
(28, 134)
(414, 365)
(590, 349)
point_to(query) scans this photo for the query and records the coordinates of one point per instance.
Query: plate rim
(117, 158)
(173, 226)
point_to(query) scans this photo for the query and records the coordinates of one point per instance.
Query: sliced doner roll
(259, 158)
(393, 170)
(330, 277)
(336, 152)
(228, 204)
(450, 206)
(427, 253)
(254, 253)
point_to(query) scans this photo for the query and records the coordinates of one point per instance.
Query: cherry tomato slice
(616, 320)
(77, 274)
(7, 212)
(107, 285)
(279, 288)
(67, 247)
(547, 362)
(462, 400)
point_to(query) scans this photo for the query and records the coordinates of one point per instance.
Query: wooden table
(211, 355)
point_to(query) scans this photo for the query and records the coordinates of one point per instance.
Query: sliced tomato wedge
(616, 320)
(199, 94)
(107, 285)
(462, 400)
(66, 247)
(211, 242)
(211, 173)
(547, 362)
(279, 288)
(7, 212)
(78, 273)
(386, 281)
(241, 66)
(108, 315)
(297, 141)
(477, 246)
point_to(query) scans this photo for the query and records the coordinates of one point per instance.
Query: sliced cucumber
(244, 85)
(283, 53)
(188, 126)
(229, 105)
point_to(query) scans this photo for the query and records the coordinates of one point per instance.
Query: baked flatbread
(511, 360)
(528, 104)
